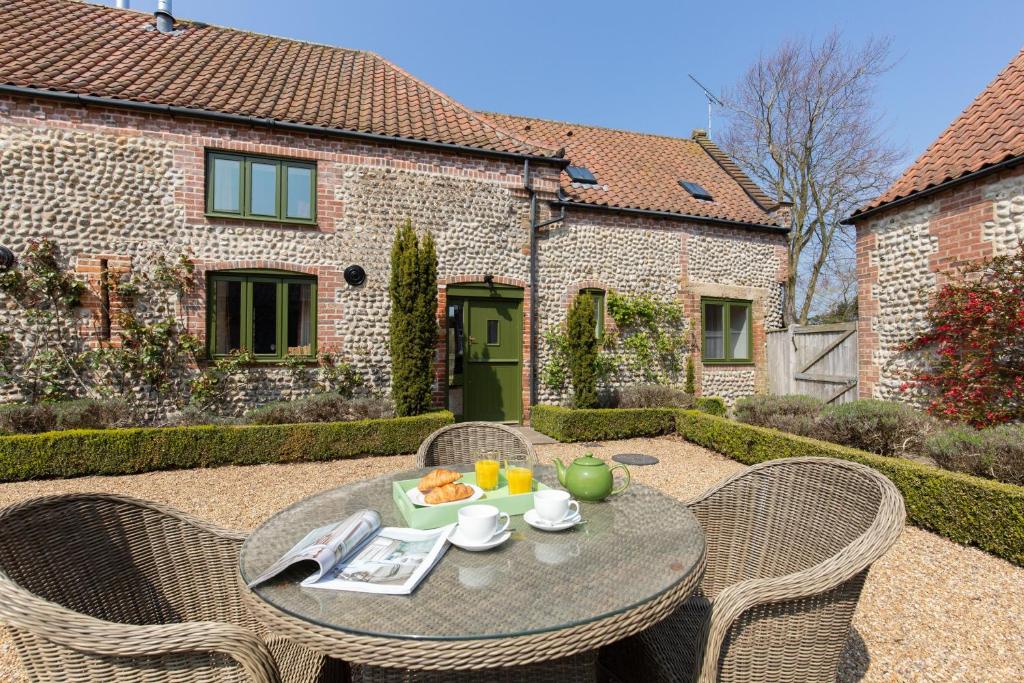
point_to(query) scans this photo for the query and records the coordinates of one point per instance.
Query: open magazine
(357, 554)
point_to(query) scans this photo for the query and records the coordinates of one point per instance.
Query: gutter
(779, 229)
(1006, 163)
(170, 110)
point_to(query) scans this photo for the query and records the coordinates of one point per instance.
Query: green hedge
(961, 507)
(711, 405)
(76, 453)
(595, 424)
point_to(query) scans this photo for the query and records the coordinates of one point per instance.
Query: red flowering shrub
(975, 345)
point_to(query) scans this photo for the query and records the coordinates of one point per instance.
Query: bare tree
(803, 123)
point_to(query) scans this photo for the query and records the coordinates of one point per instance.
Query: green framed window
(270, 313)
(597, 296)
(726, 331)
(260, 188)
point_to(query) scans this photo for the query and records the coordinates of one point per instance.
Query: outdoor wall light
(355, 275)
(489, 280)
(6, 259)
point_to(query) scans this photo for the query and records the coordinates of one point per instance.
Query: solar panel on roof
(578, 174)
(696, 190)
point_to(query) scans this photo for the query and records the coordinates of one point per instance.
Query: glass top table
(635, 557)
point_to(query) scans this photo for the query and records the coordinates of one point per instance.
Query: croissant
(448, 493)
(437, 478)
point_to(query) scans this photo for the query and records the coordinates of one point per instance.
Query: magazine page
(326, 546)
(393, 562)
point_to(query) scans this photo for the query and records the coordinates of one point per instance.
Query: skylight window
(696, 190)
(579, 174)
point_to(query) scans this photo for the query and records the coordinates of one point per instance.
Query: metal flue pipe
(164, 18)
(124, 4)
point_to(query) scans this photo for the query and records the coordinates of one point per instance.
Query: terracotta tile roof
(87, 49)
(642, 171)
(989, 131)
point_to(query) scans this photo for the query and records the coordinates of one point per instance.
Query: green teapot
(590, 478)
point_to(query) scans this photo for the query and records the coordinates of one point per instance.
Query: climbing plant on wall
(48, 352)
(653, 335)
(413, 322)
(650, 339)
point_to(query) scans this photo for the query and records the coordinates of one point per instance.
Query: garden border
(75, 453)
(961, 507)
(595, 424)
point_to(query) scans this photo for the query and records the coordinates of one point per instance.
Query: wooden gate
(814, 360)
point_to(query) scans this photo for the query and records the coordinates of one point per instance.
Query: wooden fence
(815, 360)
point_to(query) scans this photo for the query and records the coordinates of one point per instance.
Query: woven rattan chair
(464, 443)
(107, 588)
(789, 544)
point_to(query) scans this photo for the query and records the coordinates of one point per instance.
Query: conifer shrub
(582, 352)
(413, 322)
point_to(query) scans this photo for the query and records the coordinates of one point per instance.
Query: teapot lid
(588, 459)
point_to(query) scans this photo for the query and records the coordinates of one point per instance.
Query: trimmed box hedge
(961, 507)
(76, 453)
(596, 424)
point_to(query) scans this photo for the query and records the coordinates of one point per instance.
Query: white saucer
(475, 546)
(537, 522)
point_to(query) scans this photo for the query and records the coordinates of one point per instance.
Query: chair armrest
(48, 620)
(730, 604)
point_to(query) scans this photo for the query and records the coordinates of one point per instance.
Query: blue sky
(624, 64)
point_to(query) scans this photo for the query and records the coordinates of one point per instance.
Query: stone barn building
(963, 199)
(279, 165)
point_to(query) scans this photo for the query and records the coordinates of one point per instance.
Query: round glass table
(540, 596)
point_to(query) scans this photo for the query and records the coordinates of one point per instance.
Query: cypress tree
(581, 348)
(691, 379)
(413, 322)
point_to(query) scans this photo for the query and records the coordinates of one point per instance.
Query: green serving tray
(439, 515)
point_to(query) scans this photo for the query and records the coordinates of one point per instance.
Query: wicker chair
(107, 588)
(463, 444)
(789, 546)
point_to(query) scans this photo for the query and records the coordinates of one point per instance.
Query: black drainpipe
(534, 227)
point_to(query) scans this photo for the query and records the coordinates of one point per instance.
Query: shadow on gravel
(853, 664)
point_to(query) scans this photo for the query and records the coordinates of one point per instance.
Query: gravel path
(931, 610)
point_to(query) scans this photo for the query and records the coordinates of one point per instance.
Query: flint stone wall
(105, 183)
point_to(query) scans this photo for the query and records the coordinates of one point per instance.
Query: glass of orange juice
(520, 479)
(487, 471)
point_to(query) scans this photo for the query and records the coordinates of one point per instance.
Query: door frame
(483, 292)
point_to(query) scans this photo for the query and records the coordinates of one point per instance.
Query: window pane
(227, 174)
(492, 332)
(300, 182)
(300, 319)
(227, 302)
(739, 332)
(263, 189)
(264, 317)
(714, 331)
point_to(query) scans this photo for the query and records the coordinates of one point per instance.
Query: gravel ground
(931, 610)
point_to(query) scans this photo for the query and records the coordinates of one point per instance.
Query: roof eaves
(672, 215)
(82, 99)
(968, 176)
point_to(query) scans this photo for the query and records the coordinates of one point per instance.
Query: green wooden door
(493, 363)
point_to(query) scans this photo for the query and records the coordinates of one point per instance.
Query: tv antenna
(710, 97)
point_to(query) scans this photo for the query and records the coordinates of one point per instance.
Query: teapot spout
(561, 470)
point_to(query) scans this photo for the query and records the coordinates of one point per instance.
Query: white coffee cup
(479, 523)
(554, 506)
